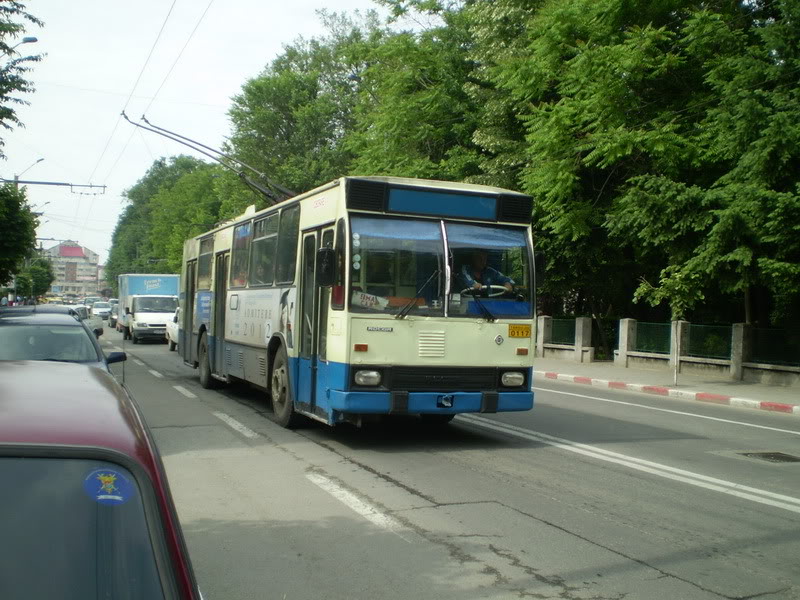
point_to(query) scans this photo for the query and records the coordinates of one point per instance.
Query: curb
(673, 393)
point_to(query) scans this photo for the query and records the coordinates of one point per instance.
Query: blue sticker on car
(108, 486)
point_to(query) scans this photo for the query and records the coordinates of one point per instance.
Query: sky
(95, 51)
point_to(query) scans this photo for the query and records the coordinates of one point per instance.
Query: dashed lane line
(236, 425)
(366, 509)
(138, 362)
(155, 373)
(184, 391)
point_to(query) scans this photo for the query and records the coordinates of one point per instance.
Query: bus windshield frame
(396, 266)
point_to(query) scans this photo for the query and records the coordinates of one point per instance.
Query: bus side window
(287, 244)
(337, 291)
(262, 251)
(241, 254)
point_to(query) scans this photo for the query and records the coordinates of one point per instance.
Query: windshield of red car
(68, 343)
(76, 529)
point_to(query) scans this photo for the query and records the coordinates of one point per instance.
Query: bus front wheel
(206, 380)
(282, 405)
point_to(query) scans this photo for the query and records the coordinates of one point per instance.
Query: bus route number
(519, 331)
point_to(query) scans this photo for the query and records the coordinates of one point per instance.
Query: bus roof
(400, 181)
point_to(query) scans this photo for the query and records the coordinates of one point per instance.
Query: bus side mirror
(127, 310)
(326, 267)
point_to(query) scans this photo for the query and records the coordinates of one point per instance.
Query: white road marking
(675, 412)
(115, 349)
(730, 488)
(234, 424)
(184, 391)
(138, 362)
(369, 511)
(155, 373)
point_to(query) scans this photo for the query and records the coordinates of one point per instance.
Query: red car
(86, 508)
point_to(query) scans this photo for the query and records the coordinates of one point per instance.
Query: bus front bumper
(379, 402)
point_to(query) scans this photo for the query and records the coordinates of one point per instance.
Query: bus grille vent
(516, 209)
(431, 344)
(366, 195)
(262, 366)
(241, 360)
(228, 356)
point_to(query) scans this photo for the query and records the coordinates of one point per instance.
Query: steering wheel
(494, 290)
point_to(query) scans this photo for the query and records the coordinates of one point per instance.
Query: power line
(163, 81)
(133, 89)
(189, 39)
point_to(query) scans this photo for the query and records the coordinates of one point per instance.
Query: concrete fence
(701, 349)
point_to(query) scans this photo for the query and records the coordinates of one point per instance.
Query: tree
(181, 211)
(13, 72)
(36, 278)
(414, 117)
(17, 230)
(133, 240)
(290, 121)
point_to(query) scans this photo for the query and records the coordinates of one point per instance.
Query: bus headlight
(512, 379)
(368, 378)
(141, 324)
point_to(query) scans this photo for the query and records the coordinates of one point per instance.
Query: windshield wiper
(487, 314)
(413, 302)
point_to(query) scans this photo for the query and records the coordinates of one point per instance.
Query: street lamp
(16, 177)
(26, 40)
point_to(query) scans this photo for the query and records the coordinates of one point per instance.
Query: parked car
(112, 316)
(101, 309)
(88, 499)
(172, 330)
(51, 333)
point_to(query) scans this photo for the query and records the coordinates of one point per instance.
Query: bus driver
(477, 273)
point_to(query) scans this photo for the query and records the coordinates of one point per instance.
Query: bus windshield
(395, 263)
(397, 267)
(490, 271)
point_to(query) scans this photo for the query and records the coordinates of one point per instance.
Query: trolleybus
(368, 296)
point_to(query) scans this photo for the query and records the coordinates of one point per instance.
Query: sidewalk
(703, 388)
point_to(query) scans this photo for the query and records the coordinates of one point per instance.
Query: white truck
(146, 303)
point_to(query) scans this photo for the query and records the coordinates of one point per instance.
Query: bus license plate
(519, 331)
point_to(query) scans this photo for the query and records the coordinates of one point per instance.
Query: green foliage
(134, 244)
(659, 139)
(290, 121)
(17, 230)
(414, 118)
(15, 67)
(38, 276)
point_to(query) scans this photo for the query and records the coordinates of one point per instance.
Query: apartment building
(75, 268)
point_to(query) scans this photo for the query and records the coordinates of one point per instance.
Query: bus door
(312, 371)
(187, 344)
(218, 324)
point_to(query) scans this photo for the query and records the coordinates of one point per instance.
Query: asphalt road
(592, 495)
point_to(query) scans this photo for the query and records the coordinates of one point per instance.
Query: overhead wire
(161, 85)
(177, 58)
(127, 101)
(133, 89)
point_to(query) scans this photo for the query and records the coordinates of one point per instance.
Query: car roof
(69, 404)
(24, 317)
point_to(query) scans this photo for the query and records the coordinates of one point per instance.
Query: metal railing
(709, 341)
(563, 332)
(775, 346)
(653, 337)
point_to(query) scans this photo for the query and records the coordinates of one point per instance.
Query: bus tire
(281, 393)
(134, 339)
(435, 420)
(172, 346)
(204, 366)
